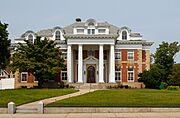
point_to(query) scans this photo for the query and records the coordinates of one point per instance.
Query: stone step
(91, 86)
(26, 110)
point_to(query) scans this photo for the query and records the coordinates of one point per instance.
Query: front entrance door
(91, 74)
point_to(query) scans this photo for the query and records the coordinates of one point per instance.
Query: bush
(173, 88)
(152, 78)
(163, 85)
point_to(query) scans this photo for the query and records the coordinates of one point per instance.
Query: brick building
(95, 52)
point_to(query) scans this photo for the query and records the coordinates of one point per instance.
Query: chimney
(78, 19)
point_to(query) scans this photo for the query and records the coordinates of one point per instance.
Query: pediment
(91, 59)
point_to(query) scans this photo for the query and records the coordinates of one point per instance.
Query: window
(124, 35)
(64, 55)
(117, 55)
(80, 31)
(24, 76)
(64, 75)
(101, 30)
(130, 55)
(130, 74)
(58, 35)
(30, 38)
(117, 75)
(91, 31)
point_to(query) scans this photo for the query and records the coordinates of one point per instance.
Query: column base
(80, 82)
(111, 82)
(101, 82)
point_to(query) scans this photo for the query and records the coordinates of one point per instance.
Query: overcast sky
(156, 20)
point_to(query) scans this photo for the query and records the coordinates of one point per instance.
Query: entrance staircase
(91, 85)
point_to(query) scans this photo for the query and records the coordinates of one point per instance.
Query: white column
(80, 64)
(101, 64)
(112, 65)
(69, 63)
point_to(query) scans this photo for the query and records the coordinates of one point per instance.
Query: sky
(156, 20)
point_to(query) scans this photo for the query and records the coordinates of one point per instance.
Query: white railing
(7, 83)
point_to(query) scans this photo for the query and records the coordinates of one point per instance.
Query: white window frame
(132, 76)
(102, 32)
(129, 52)
(80, 32)
(63, 55)
(119, 76)
(91, 29)
(26, 78)
(32, 37)
(62, 76)
(59, 35)
(118, 52)
(122, 36)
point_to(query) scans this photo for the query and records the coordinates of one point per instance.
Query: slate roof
(113, 30)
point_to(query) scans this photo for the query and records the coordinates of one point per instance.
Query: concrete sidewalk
(54, 99)
(95, 115)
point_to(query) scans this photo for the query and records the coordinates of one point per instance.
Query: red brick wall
(124, 73)
(143, 67)
(135, 72)
(135, 55)
(124, 54)
(30, 78)
(143, 56)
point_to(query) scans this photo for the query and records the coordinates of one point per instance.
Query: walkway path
(95, 115)
(54, 99)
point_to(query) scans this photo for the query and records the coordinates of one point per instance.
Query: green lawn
(124, 98)
(21, 96)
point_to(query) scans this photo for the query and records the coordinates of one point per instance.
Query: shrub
(163, 85)
(173, 88)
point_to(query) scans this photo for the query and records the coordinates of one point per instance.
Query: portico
(93, 66)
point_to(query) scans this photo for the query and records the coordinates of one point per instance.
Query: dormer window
(30, 38)
(80, 31)
(91, 31)
(58, 35)
(91, 24)
(101, 31)
(124, 35)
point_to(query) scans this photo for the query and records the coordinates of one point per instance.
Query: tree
(164, 57)
(162, 67)
(40, 58)
(4, 46)
(174, 78)
(152, 78)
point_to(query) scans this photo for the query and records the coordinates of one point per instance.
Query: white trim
(128, 76)
(26, 74)
(120, 53)
(130, 51)
(90, 41)
(66, 75)
(58, 34)
(27, 38)
(120, 76)
(128, 46)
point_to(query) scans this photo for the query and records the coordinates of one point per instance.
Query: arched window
(57, 35)
(30, 38)
(124, 35)
(91, 24)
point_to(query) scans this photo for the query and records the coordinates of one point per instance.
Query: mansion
(94, 52)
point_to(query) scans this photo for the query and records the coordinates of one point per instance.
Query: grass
(22, 96)
(124, 98)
